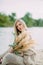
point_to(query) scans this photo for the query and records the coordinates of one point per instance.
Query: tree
(7, 20)
(12, 17)
(28, 19)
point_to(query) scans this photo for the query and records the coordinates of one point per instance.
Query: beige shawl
(24, 41)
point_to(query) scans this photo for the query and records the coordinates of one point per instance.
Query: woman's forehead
(18, 22)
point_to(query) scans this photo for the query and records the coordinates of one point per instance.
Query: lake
(7, 37)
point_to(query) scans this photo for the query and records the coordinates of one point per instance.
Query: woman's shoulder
(27, 31)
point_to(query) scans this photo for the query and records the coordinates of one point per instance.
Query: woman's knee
(28, 60)
(7, 57)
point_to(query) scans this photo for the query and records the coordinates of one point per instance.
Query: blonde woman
(23, 52)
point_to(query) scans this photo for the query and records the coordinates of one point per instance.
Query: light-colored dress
(25, 51)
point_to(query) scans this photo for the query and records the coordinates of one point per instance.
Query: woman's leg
(12, 58)
(29, 57)
(28, 60)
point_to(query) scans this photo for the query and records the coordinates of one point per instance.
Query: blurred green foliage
(8, 20)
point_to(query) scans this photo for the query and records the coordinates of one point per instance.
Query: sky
(20, 7)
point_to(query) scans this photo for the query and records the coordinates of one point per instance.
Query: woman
(23, 52)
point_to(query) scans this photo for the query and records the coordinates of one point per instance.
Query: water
(7, 37)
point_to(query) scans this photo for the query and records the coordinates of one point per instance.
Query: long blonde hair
(15, 29)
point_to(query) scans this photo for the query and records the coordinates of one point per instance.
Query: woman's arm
(27, 46)
(26, 43)
(22, 43)
(27, 40)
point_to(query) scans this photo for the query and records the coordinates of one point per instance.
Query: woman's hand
(21, 52)
(11, 50)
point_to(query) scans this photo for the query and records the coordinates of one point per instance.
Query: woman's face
(20, 26)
